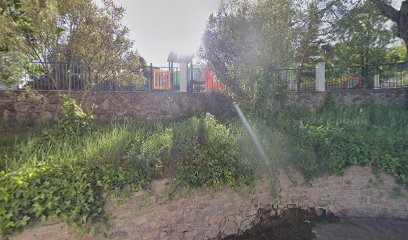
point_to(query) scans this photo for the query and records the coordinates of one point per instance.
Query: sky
(161, 26)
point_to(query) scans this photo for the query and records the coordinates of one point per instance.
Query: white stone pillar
(183, 77)
(320, 77)
(377, 81)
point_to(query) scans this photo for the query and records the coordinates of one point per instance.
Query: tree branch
(386, 10)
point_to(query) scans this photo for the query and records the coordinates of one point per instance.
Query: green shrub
(334, 138)
(56, 191)
(151, 155)
(207, 154)
(66, 172)
(73, 120)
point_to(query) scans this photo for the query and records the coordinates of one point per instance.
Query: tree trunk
(399, 17)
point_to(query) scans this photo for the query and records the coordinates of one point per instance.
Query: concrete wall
(226, 212)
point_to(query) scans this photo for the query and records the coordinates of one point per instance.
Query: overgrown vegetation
(64, 172)
(334, 138)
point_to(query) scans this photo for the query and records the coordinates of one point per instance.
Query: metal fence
(74, 77)
(55, 76)
(369, 77)
(345, 77)
(297, 79)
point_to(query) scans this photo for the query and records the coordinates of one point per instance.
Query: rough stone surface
(19, 109)
(358, 193)
(22, 110)
(314, 100)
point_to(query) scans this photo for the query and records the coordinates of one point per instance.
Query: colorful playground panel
(161, 80)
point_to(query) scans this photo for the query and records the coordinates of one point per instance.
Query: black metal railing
(295, 79)
(74, 77)
(368, 77)
(55, 76)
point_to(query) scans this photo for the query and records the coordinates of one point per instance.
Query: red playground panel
(209, 83)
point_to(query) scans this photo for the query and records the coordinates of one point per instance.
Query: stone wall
(21, 109)
(313, 100)
(226, 212)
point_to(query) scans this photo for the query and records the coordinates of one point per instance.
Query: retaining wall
(313, 100)
(213, 215)
(20, 109)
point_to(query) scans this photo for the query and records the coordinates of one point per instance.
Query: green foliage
(66, 177)
(357, 33)
(11, 69)
(150, 157)
(207, 154)
(329, 141)
(50, 191)
(66, 173)
(396, 54)
(199, 152)
(73, 119)
(245, 37)
(79, 32)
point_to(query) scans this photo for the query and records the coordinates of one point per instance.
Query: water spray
(251, 133)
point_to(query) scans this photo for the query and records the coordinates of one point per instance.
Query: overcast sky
(161, 26)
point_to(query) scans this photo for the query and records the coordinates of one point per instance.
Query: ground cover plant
(65, 171)
(336, 137)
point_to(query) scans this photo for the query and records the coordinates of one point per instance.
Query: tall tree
(399, 17)
(333, 10)
(309, 34)
(360, 36)
(245, 38)
(74, 32)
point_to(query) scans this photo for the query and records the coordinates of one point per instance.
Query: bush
(73, 120)
(56, 191)
(329, 141)
(150, 156)
(66, 174)
(207, 154)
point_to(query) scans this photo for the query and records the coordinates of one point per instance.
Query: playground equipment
(181, 75)
(161, 79)
(353, 83)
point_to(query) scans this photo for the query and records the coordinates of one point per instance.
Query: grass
(64, 172)
(334, 138)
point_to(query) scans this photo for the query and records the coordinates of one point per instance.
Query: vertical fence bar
(151, 77)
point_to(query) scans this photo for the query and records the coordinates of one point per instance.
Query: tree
(100, 43)
(11, 60)
(396, 54)
(361, 37)
(75, 32)
(309, 34)
(333, 10)
(245, 39)
(399, 17)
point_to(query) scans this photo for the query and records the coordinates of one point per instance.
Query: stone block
(119, 235)
(231, 227)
